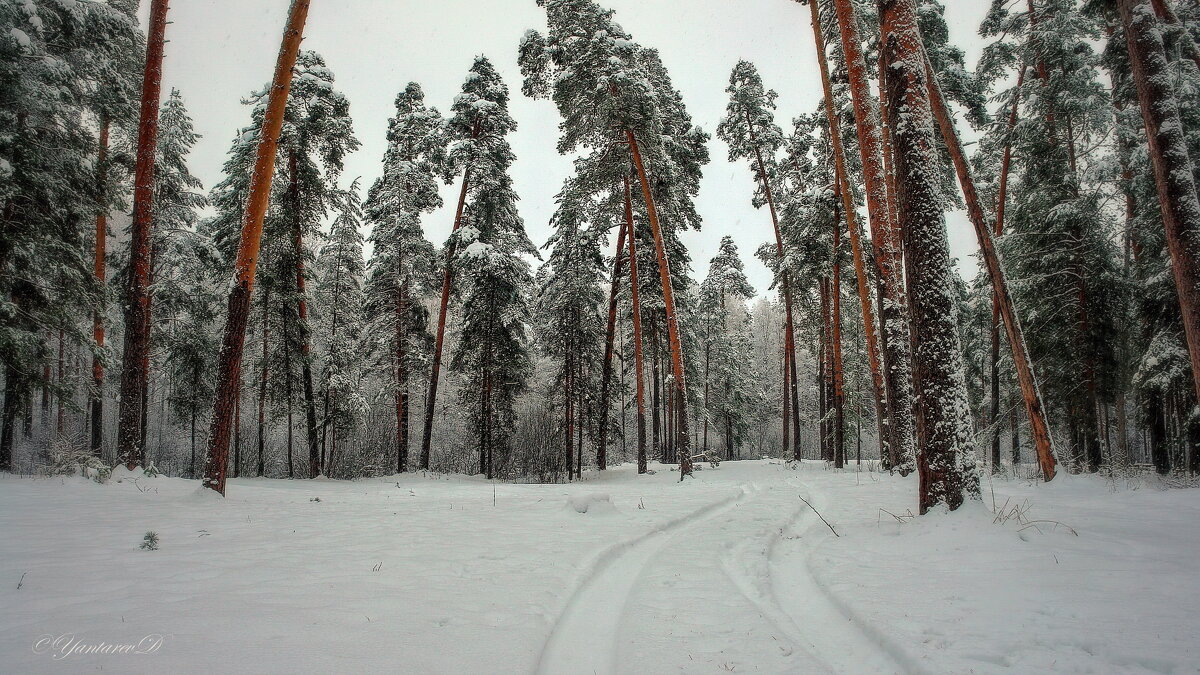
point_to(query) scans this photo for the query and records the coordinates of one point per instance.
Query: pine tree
(729, 400)
(945, 460)
(750, 131)
(137, 314)
(492, 354)
(229, 362)
(402, 260)
(340, 320)
(568, 309)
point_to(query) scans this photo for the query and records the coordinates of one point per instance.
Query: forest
(289, 323)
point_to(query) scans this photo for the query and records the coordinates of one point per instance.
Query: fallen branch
(835, 533)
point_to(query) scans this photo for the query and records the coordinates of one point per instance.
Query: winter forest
(193, 373)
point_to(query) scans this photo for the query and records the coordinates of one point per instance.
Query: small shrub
(150, 542)
(70, 458)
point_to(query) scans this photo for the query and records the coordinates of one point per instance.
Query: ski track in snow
(842, 640)
(585, 636)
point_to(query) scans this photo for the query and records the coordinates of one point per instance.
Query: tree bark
(886, 238)
(133, 375)
(229, 362)
(1171, 161)
(606, 373)
(401, 378)
(96, 396)
(664, 273)
(944, 462)
(1034, 407)
(310, 404)
(636, 310)
(839, 390)
(843, 184)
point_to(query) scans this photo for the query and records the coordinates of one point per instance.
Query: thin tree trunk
(945, 460)
(606, 373)
(401, 379)
(839, 387)
(1034, 407)
(439, 340)
(262, 386)
(664, 273)
(636, 310)
(137, 340)
(886, 238)
(229, 362)
(1171, 161)
(310, 404)
(96, 396)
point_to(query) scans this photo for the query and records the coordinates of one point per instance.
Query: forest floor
(620, 573)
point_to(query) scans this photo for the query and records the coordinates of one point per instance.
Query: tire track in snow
(584, 637)
(840, 636)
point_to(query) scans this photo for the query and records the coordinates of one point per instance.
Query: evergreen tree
(492, 354)
(729, 400)
(402, 260)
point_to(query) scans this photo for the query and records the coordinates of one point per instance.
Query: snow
(729, 571)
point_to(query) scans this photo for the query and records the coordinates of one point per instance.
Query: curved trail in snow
(584, 638)
(838, 635)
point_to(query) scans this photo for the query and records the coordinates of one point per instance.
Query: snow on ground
(730, 572)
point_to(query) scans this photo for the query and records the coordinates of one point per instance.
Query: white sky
(220, 50)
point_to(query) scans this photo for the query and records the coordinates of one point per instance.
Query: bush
(70, 458)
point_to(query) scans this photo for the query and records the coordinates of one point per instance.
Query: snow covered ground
(730, 572)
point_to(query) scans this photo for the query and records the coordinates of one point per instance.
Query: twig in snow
(835, 533)
(21, 582)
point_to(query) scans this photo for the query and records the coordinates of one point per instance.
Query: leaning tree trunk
(440, 339)
(229, 362)
(636, 310)
(133, 375)
(664, 273)
(1171, 162)
(860, 272)
(789, 338)
(606, 373)
(100, 272)
(945, 462)
(1034, 407)
(886, 237)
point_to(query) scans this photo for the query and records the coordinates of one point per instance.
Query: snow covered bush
(70, 458)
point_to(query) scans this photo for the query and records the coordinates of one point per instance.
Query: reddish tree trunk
(1034, 407)
(664, 273)
(440, 339)
(860, 271)
(886, 237)
(943, 430)
(1172, 164)
(636, 310)
(133, 375)
(100, 272)
(606, 373)
(229, 362)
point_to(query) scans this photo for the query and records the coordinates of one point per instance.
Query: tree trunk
(839, 390)
(860, 271)
(401, 378)
(886, 238)
(439, 341)
(606, 373)
(262, 386)
(1034, 407)
(96, 396)
(1171, 162)
(133, 375)
(664, 273)
(945, 460)
(310, 403)
(636, 310)
(229, 362)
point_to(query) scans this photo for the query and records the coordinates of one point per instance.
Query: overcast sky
(220, 50)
